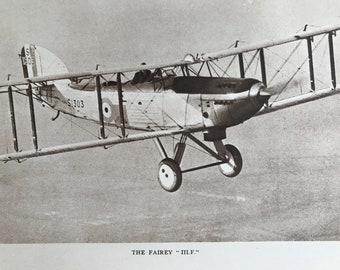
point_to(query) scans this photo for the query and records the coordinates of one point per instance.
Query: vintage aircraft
(163, 100)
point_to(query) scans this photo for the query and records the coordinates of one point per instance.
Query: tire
(234, 166)
(169, 175)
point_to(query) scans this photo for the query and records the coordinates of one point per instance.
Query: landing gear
(169, 175)
(234, 165)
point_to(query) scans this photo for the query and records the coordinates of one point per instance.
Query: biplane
(195, 94)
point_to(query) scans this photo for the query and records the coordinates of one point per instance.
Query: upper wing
(185, 62)
(270, 43)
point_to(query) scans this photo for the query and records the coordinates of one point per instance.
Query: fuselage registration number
(76, 103)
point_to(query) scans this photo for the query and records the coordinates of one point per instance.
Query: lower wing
(95, 143)
(297, 100)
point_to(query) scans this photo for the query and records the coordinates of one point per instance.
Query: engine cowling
(239, 107)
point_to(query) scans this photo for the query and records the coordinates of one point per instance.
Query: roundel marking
(108, 111)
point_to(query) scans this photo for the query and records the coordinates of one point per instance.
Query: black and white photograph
(148, 132)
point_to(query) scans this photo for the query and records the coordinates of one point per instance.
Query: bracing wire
(218, 67)
(285, 62)
(251, 61)
(298, 69)
(214, 69)
(229, 65)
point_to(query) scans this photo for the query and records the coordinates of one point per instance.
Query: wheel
(169, 175)
(234, 166)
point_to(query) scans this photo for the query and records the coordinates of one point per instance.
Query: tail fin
(38, 61)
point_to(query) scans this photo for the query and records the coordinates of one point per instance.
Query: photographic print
(158, 122)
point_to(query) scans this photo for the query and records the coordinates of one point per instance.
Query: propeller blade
(277, 88)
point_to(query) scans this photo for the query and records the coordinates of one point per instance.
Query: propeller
(277, 88)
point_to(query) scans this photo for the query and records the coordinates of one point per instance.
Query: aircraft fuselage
(172, 102)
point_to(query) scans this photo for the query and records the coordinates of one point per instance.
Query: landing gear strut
(170, 173)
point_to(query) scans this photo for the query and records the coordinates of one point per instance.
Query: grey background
(288, 189)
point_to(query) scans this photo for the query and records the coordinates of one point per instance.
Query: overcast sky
(125, 32)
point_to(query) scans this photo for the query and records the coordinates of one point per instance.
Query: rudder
(38, 61)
